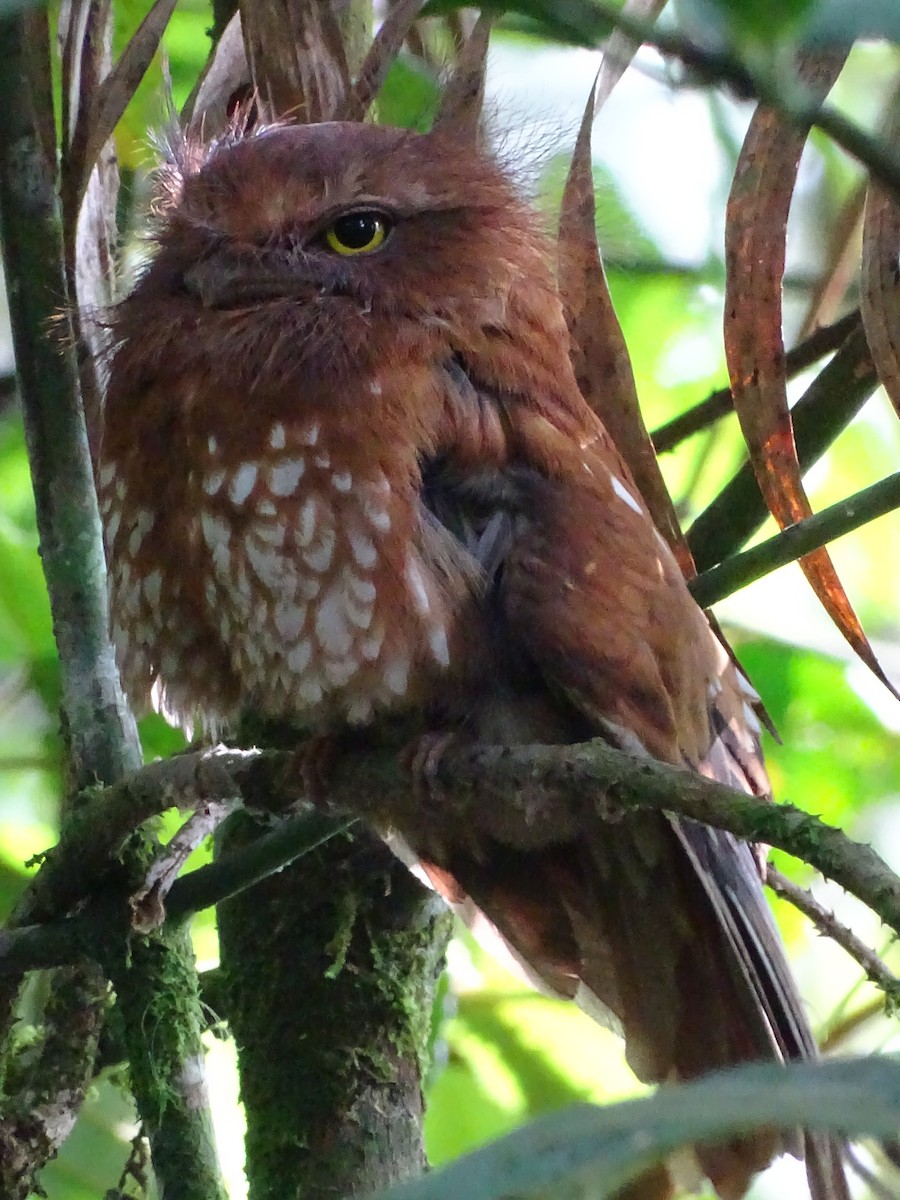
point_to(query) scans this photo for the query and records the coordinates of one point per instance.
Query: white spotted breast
(309, 589)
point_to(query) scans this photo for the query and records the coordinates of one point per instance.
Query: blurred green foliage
(505, 1054)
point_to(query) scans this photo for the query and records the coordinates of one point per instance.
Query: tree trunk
(329, 978)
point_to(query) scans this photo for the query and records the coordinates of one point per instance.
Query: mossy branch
(524, 796)
(154, 978)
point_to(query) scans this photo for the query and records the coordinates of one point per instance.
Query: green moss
(329, 973)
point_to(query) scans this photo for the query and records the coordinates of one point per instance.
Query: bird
(347, 476)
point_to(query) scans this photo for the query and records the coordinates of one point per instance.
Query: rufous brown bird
(347, 473)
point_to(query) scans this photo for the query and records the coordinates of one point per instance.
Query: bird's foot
(315, 761)
(422, 758)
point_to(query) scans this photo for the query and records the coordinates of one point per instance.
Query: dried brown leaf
(755, 239)
(463, 97)
(114, 93)
(880, 286)
(88, 185)
(225, 77)
(85, 32)
(298, 57)
(599, 354)
(382, 53)
(619, 49)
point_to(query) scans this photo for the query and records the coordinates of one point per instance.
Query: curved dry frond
(298, 58)
(224, 82)
(381, 54)
(599, 354)
(620, 48)
(463, 96)
(880, 292)
(755, 241)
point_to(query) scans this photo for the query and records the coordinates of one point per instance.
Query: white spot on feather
(358, 711)
(112, 526)
(310, 435)
(310, 690)
(363, 590)
(307, 526)
(342, 481)
(417, 587)
(277, 437)
(340, 672)
(272, 535)
(332, 630)
(217, 536)
(289, 620)
(363, 548)
(319, 557)
(284, 477)
(308, 587)
(213, 482)
(358, 614)
(623, 493)
(242, 482)
(266, 566)
(377, 516)
(437, 640)
(370, 647)
(396, 676)
(107, 474)
(153, 588)
(299, 657)
(143, 523)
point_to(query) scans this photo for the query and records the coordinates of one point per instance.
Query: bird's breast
(286, 579)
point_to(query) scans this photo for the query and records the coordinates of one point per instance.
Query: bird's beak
(229, 280)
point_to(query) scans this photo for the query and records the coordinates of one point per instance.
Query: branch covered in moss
(100, 735)
(524, 796)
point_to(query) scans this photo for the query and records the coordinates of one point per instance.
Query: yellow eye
(357, 233)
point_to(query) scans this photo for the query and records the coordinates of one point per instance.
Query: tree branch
(795, 541)
(154, 978)
(762, 81)
(524, 796)
(829, 404)
(720, 403)
(828, 924)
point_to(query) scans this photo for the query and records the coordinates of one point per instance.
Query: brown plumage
(347, 472)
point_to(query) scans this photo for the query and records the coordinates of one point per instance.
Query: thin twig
(830, 402)
(720, 403)
(827, 923)
(785, 96)
(792, 543)
(844, 1028)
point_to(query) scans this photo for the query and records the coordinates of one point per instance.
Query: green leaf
(838, 21)
(760, 22)
(409, 96)
(586, 1153)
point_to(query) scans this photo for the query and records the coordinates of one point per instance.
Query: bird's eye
(357, 233)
